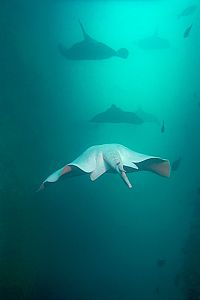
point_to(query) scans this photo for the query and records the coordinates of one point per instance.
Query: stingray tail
(40, 188)
(85, 35)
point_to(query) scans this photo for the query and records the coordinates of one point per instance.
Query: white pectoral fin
(130, 164)
(101, 168)
(143, 162)
(159, 166)
(52, 178)
(56, 175)
(128, 158)
(156, 165)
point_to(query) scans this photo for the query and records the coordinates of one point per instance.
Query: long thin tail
(40, 188)
(85, 35)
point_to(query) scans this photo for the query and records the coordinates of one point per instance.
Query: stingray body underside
(114, 158)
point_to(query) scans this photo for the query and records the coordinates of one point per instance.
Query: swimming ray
(114, 158)
(90, 49)
(115, 114)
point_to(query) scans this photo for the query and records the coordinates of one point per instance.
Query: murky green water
(87, 240)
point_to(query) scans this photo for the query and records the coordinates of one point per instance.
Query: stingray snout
(126, 180)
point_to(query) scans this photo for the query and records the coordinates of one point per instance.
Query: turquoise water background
(95, 240)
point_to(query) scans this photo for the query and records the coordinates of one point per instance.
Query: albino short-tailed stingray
(113, 158)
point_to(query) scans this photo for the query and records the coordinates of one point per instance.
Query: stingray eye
(119, 167)
(118, 164)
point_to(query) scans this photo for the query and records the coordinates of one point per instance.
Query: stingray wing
(87, 161)
(91, 161)
(128, 157)
(115, 114)
(101, 167)
(109, 115)
(54, 176)
(142, 162)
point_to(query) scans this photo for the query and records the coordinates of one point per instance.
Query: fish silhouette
(187, 31)
(190, 10)
(163, 127)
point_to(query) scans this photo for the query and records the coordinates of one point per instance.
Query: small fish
(187, 31)
(163, 127)
(161, 262)
(175, 164)
(190, 10)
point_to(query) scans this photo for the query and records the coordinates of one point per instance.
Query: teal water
(86, 240)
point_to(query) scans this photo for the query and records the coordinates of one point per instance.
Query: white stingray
(114, 158)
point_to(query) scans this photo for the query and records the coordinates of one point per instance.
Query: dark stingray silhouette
(154, 42)
(115, 114)
(90, 49)
(147, 117)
